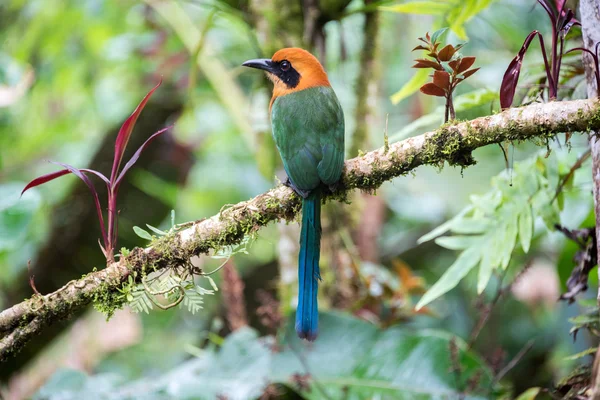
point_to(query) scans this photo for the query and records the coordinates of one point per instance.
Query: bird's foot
(335, 187)
(302, 193)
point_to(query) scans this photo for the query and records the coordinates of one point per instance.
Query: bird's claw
(302, 193)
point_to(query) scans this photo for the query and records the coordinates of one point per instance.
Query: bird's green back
(308, 128)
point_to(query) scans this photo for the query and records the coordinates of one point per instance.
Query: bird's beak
(261, 63)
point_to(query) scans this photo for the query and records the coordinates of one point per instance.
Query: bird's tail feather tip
(307, 334)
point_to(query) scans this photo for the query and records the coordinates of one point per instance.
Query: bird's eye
(285, 65)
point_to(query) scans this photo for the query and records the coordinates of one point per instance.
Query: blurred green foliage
(352, 359)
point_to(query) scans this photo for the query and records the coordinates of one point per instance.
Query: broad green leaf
(142, 233)
(525, 227)
(355, 360)
(461, 267)
(457, 242)
(412, 86)
(420, 7)
(351, 359)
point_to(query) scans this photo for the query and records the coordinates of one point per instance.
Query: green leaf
(485, 270)
(461, 267)
(471, 226)
(437, 34)
(412, 86)
(509, 240)
(526, 227)
(586, 352)
(142, 233)
(457, 242)
(529, 394)
(419, 7)
(445, 227)
(156, 230)
(141, 302)
(353, 359)
(447, 68)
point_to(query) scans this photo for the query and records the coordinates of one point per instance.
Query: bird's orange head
(291, 69)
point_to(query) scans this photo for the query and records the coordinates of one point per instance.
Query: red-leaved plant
(562, 21)
(596, 59)
(109, 230)
(450, 67)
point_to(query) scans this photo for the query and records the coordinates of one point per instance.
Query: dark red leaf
(470, 72)
(419, 47)
(441, 79)
(79, 173)
(560, 4)
(432, 90)
(423, 63)
(511, 76)
(565, 21)
(125, 133)
(550, 10)
(465, 64)
(137, 154)
(98, 174)
(90, 185)
(45, 178)
(446, 53)
(580, 49)
(454, 64)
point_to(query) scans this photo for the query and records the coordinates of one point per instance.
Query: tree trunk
(590, 21)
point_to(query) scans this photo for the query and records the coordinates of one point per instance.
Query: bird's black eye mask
(285, 71)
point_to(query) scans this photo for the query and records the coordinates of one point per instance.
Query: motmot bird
(308, 128)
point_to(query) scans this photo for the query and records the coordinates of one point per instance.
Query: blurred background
(72, 71)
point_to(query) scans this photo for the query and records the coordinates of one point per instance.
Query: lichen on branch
(452, 143)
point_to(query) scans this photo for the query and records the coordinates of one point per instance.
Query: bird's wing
(331, 138)
(308, 127)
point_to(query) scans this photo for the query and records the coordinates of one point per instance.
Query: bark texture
(590, 26)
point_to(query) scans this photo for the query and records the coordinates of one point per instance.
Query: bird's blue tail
(307, 315)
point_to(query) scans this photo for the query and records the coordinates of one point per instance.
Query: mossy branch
(450, 143)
